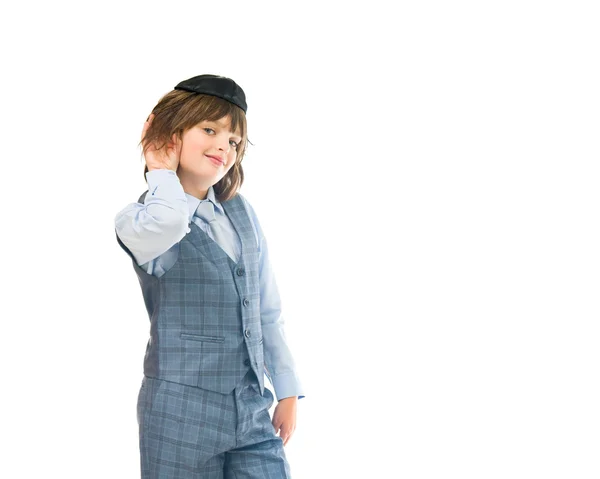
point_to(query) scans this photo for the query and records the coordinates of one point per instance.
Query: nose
(224, 144)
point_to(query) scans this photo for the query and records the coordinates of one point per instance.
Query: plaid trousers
(189, 432)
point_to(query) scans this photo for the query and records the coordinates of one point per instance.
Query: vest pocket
(200, 337)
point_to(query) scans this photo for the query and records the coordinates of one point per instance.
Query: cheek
(193, 145)
(230, 163)
(184, 152)
(193, 142)
(190, 148)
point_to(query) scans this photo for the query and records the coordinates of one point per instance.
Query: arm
(279, 362)
(150, 229)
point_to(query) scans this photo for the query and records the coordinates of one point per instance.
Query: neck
(193, 187)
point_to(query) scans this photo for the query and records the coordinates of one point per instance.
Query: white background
(427, 180)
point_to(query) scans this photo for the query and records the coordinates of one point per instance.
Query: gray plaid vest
(204, 312)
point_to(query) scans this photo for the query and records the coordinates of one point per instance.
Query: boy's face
(206, 139)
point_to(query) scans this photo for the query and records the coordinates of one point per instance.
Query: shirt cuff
(166, 182)
(287, 385)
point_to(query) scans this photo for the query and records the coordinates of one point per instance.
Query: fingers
(148, 121)
(147, 125)
(173, 144)
(176, 143)
(285, 432)
(161, 153)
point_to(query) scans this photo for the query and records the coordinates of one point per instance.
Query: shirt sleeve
(150, 229)
(279, 363)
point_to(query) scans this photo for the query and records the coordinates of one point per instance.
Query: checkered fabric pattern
(203, 409)
(188, 432)
(204, 312)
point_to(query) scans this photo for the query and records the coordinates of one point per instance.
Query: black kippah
(215, 85)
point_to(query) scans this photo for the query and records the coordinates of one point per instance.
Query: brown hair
(178, 111)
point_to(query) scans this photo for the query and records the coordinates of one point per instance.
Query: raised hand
(166, 157)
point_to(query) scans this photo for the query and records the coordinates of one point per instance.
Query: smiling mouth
(215, 160)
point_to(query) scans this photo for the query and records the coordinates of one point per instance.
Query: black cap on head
(215, 85)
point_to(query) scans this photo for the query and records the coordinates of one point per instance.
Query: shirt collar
(193, 203)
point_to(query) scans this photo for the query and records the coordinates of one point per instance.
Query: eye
(235, 143)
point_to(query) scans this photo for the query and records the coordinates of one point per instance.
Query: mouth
(215, 160)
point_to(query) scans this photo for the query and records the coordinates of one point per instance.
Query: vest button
(246, 302)
(248, 334)
(246, 362)
(240, 272)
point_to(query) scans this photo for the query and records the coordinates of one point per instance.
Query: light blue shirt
(152, 232)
